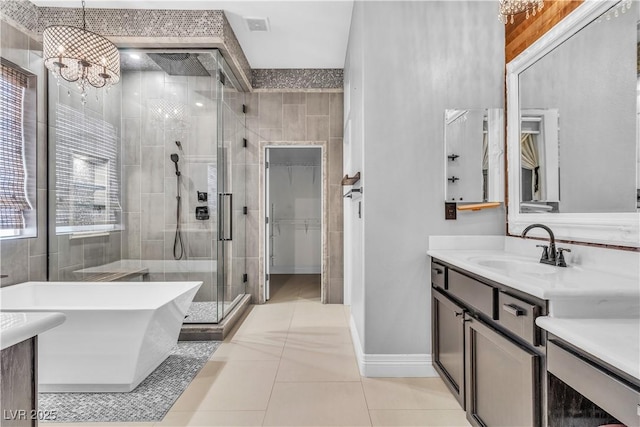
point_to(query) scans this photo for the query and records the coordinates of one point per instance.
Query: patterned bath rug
(148, 402)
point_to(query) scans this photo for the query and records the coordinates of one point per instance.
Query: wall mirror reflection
(474, 155)
(572, 136)
(539, 173)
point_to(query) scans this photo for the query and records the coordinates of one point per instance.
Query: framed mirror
(572, 134)
(474, 155)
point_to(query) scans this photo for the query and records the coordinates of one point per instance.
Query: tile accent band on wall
(310, 78)
(21, 13)
(126, 26)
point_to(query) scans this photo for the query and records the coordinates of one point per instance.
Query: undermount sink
(524, 266)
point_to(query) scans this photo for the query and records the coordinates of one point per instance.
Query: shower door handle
(225, 227)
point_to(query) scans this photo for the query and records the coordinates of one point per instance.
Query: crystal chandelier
(508, 8)
(77, 55)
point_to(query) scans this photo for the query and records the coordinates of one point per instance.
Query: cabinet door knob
(513, 309)
(437, 270)
(459, 313)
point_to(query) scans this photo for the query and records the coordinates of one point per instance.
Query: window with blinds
(14, 198)
(87, 178)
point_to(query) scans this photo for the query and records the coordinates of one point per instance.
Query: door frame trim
(324, 221)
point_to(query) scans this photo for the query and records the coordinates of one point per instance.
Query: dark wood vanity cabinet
(448, 343)
(502, 379)
(487, 349)
(19, 384)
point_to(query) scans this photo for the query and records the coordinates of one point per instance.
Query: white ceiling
(304, 33)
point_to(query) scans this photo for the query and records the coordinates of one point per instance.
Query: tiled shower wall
(149, 178)
(26, 259)
(149, 174)
(298, 116)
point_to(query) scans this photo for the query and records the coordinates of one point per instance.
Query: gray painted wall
(407, 62)
(26, 259)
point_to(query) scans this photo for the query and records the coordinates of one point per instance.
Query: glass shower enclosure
(147, 182)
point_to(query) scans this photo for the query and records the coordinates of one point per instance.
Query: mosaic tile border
(310, 78)
(236, 54)
(139, 22)
(149, 402)
(21, 13)
(173, 25)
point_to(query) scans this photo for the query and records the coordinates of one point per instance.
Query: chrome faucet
(550, 255)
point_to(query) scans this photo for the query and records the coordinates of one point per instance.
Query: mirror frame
(620, 229)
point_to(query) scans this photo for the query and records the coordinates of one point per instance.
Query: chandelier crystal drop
(509, 8)
(77, 55)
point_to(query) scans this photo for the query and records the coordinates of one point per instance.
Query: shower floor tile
(204, 312)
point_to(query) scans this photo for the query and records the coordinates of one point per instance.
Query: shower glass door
(232, 148)
(166, 203)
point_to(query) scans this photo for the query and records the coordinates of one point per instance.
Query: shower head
(174, 159)
(180, 64)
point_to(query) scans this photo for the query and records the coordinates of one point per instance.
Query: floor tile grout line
(275, 378)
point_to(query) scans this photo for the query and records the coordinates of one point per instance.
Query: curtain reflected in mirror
(539, 161)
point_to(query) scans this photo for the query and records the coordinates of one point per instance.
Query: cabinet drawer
(519, 317)
(438, 275)
(472, 292)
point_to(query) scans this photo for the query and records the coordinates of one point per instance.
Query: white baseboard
(390, 365)
(287, 269)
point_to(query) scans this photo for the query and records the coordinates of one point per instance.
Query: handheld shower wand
(178, 245)
(174, 159)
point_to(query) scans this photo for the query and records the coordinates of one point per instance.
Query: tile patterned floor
(150, 401)
(291, 363)
(202, 312)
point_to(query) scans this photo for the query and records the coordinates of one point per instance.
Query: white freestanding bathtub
(115, 334)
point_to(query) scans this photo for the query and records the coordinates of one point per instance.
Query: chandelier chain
(84, 17)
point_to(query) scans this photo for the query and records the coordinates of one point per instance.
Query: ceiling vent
(257, 24)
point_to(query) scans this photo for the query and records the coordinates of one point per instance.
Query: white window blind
(87, 179)
(13, 192)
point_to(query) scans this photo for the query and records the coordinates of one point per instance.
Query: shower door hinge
(223, 79)
(266, 165)
(244, 108)
(245, 278)
(266, 277)
(245, 210)
(266, 220)
(244, 142)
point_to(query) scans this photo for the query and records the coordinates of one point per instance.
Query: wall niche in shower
(84, 162)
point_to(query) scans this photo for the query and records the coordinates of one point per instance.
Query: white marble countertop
(605, 283)
(540, 280)
(613, 341)
(17, 327)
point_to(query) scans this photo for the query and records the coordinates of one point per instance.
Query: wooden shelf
(478, 206)
(347, 180)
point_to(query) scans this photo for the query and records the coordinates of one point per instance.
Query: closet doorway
(294, 238)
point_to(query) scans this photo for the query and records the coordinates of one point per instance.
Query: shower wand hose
(178, 245)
